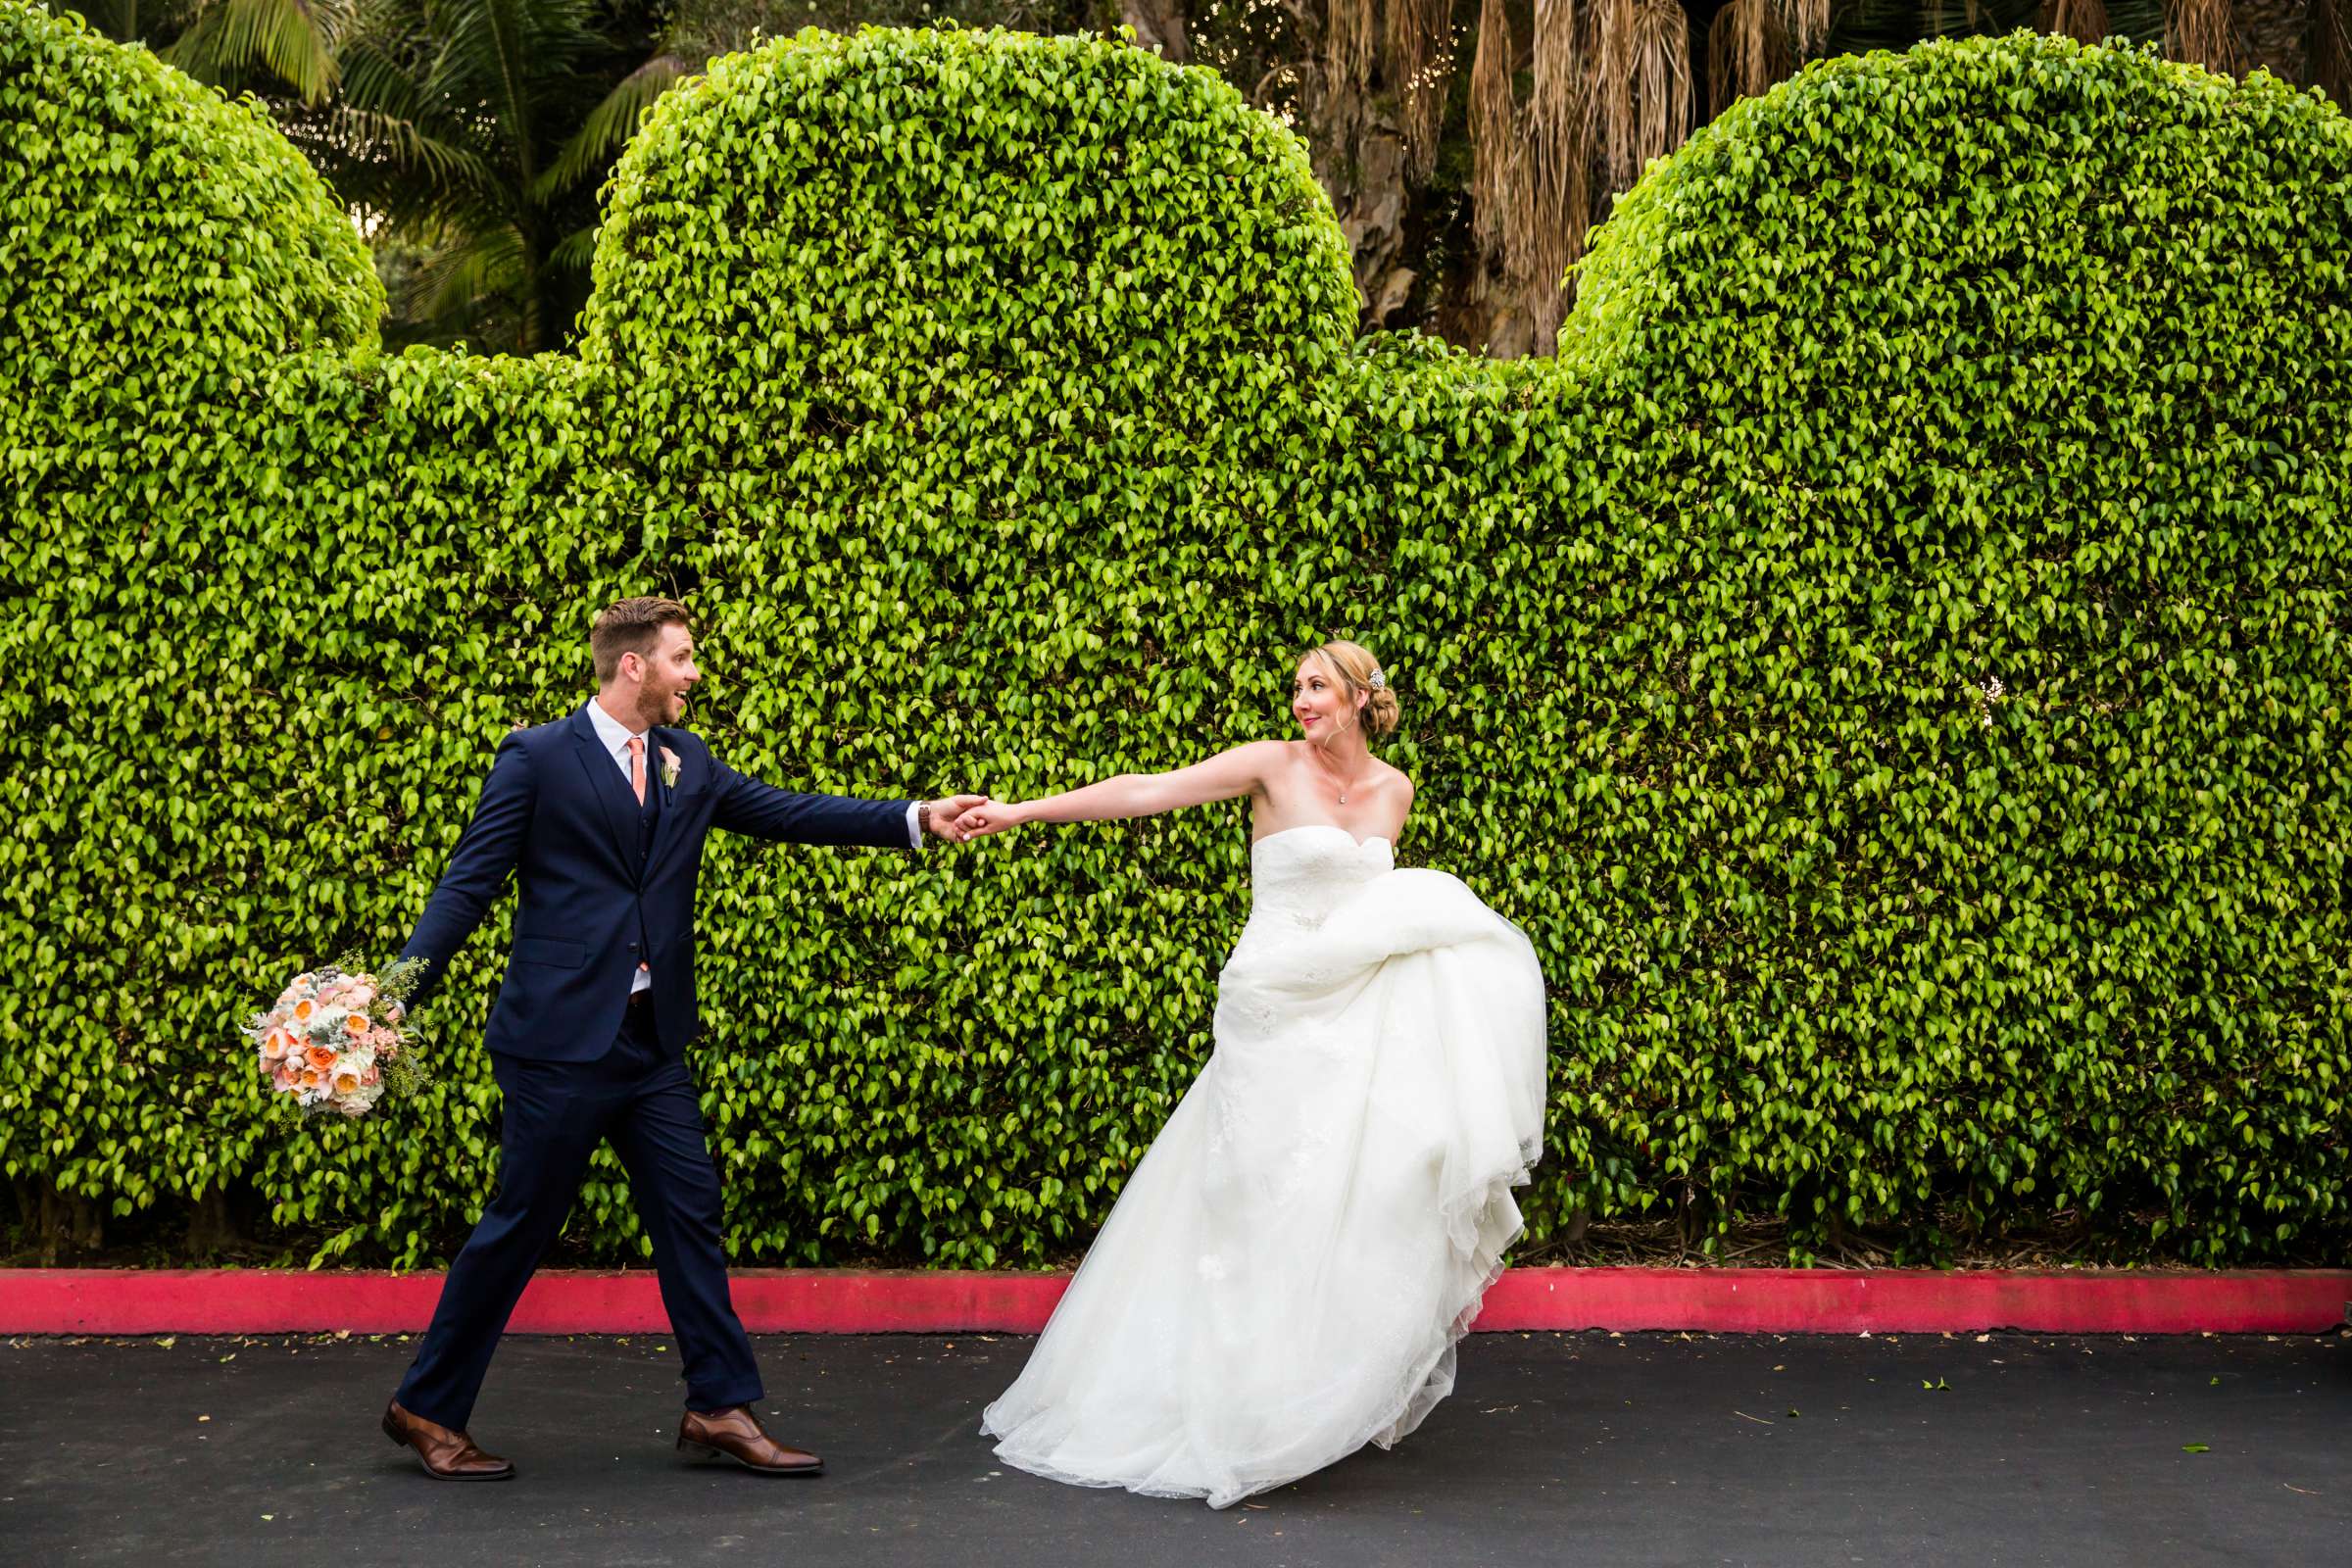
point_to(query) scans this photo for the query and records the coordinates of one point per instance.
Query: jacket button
(633, 947)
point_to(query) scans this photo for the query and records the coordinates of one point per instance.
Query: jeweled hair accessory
(1379, 679)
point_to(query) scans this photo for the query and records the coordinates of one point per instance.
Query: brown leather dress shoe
(445, 1454)
(737, 1434)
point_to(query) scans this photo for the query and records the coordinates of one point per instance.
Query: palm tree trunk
(531, 328)
(2277, 34)
(2328, 49)
(1162, 27)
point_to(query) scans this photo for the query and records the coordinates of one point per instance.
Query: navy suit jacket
(557, 814)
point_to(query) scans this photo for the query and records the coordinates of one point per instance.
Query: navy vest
(649, 812)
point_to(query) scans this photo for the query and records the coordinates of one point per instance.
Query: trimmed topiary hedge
(1894, 662)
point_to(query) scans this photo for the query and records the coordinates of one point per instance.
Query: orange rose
(310, 1078)
(356, 1024)
(321, 1056)
(346, 1080)
(304, 1008)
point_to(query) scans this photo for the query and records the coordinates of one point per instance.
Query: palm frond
(466, 268)
(294, 40)
(612, 122)
(406, 148)
(575, 253)
(516, 63)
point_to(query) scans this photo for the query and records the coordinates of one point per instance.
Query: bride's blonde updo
(1358, 671)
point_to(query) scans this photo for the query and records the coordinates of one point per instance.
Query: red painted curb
(1735, 1301)
(1803, 1301)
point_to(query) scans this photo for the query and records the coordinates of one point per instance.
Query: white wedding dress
(1287, 1272)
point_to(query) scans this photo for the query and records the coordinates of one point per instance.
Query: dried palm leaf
(1641, 71)
(1351, 32)
(1498, 218)
(1421, 65)
(1747, 51)
(2083, 21)
(2201, 32)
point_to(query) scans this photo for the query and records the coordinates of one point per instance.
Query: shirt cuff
(915, 825)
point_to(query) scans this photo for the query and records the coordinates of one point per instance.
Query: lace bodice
(1301, 874)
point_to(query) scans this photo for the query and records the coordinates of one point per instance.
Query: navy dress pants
(556, 1113)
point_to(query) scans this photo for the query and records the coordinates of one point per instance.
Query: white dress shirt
(616, 736)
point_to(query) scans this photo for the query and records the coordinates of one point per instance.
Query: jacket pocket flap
(548, 950)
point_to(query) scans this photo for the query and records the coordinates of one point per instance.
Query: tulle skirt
(1288, 1270)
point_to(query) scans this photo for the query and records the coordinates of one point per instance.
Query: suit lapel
(611, 791)
(665, 824)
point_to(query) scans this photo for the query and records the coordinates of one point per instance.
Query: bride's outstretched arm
(1222, 778)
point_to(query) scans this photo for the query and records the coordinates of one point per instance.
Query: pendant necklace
(1344, 789)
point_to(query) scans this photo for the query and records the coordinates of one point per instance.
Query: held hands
(989, 816)
(947, 816)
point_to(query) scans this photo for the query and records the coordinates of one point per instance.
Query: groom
(601, 818)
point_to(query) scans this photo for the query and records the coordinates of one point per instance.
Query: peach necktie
(637, 782)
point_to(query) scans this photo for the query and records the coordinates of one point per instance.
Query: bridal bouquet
(333, 1037)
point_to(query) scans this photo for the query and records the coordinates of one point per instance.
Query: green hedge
(994, 402)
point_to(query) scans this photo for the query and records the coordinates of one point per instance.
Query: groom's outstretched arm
(486, 855)
(743, 805)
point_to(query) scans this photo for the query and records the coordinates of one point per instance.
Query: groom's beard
(656, 707)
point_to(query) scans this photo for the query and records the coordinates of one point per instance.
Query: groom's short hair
(631, 626)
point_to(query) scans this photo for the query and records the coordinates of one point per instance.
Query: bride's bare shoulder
(1265, 756)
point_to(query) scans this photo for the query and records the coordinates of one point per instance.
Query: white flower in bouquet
(336, 1037)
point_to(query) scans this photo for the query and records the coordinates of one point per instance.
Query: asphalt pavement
(1567, 1448)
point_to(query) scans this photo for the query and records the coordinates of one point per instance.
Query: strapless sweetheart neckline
(1309, 827)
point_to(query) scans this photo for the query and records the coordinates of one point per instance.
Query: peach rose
(276, 1045)
(321, 1056)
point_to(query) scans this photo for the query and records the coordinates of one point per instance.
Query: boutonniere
(669, 768)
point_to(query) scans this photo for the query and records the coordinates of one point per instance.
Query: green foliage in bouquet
(1894, 662)
(337, 1038)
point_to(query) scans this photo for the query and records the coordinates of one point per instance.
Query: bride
(1287, 1271)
